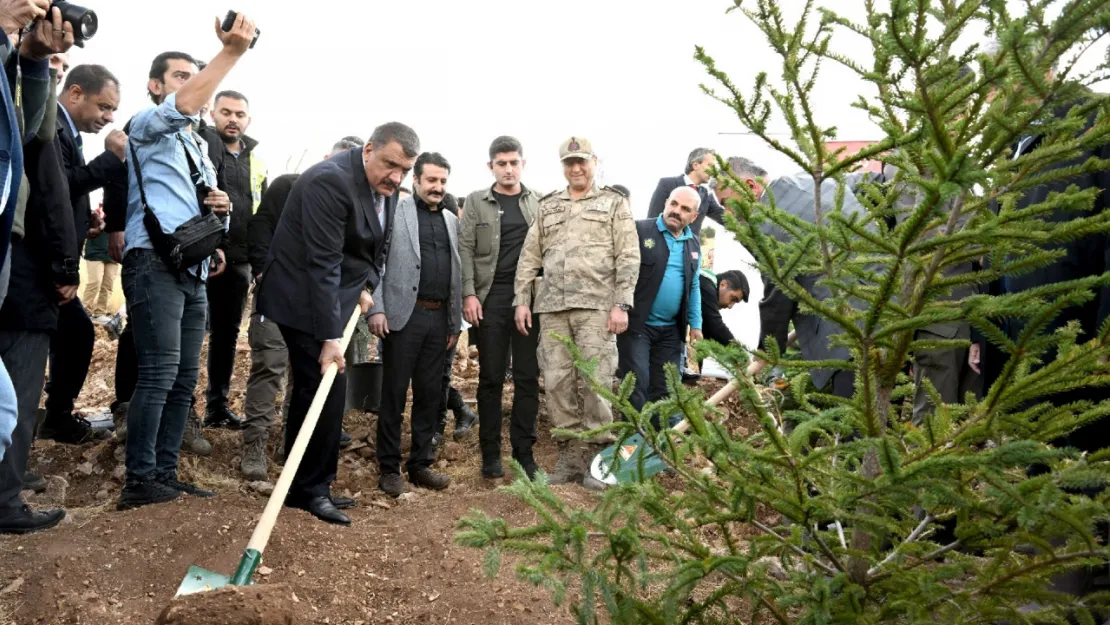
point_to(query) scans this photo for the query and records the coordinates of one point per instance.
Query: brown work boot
(193, 441)
(427, 478)
(392, 484)
(254, 465)
(119, 417)
(569, 467)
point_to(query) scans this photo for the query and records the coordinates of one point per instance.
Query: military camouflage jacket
(587, 250)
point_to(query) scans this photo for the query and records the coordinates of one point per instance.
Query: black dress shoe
(344, 439)
(342, 503)
(26, 520)
(223, 417)
(320, 507)
(70, 429)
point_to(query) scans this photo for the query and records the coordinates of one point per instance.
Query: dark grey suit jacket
(396, 293)
(794, 194)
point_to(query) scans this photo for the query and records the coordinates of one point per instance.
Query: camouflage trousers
(589, 331)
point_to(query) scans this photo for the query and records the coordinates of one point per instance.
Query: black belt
(428, 304)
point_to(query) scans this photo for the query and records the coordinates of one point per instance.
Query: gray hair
(697, 156)
(745, 167)
(346, 143)
(396, 131)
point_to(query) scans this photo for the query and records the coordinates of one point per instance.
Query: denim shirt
(170, 192)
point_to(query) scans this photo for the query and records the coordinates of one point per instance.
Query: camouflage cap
(576, 147)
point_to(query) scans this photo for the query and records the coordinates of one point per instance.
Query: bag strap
(138, 172)
(194, 172)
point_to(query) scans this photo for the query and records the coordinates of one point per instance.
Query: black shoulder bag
(194, 241)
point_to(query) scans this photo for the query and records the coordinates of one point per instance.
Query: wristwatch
(624, 307)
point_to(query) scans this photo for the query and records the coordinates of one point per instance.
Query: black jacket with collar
(84, 178)
(327, 249)
(654, 254)
(712, 324)
(260, 230)
(233, 176)
(708, 207)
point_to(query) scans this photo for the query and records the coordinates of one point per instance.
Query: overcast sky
(618, 72)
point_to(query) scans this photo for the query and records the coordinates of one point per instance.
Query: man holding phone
(167, 308)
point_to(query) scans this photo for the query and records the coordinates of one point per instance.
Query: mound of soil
(235, 605)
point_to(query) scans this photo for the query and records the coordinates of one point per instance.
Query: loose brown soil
(252, 605)
(397, 563)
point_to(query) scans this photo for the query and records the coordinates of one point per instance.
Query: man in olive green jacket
(494, 223)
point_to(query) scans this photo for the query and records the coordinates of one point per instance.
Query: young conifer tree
(843, 510)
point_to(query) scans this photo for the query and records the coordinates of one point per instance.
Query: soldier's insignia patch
(650, 243)
(573, 146)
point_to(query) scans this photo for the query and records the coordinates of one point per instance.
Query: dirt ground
(397, 563)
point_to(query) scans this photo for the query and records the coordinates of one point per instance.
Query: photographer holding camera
(25, 341)
(176, 219)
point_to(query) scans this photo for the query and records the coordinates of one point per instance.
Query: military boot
(254, 465)
(569, 467)
(193, 441)
(119, 417)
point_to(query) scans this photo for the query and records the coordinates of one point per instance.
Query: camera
(83, 20)
(229, 21)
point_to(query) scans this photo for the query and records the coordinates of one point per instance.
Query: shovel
(198, 579)
(635, 460)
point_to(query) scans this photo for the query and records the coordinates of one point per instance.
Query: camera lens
(83, 20)
(88, 25)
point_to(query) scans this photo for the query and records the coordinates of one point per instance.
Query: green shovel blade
(202, 580)
(632, 460)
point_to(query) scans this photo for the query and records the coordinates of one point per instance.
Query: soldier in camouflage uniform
(584, 241)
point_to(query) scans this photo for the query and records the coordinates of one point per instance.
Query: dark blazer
(653, 264)
(84, 178)
(327, 249)
(260, 230)
(47, 253)
(709, 205)
(712, 324)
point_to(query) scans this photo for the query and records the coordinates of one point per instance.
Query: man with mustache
(667, 299)
(88, 102)
(242, 175)
(584, 240)
(418, 312)
(326, 257)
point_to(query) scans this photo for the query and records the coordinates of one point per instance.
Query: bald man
(667, 299)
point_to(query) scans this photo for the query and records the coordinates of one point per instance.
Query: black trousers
(127, 367)
(414, 354)
(644, 353)
(498, 338)
(24, 353)
(71, 348)
(227, 298)
(321, 459)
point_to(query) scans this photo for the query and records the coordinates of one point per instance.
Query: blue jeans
(644, 353)
(167, 316)
(8, 413)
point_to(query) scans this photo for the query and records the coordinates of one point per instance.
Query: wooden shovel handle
(261, 534)
(754, 367)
